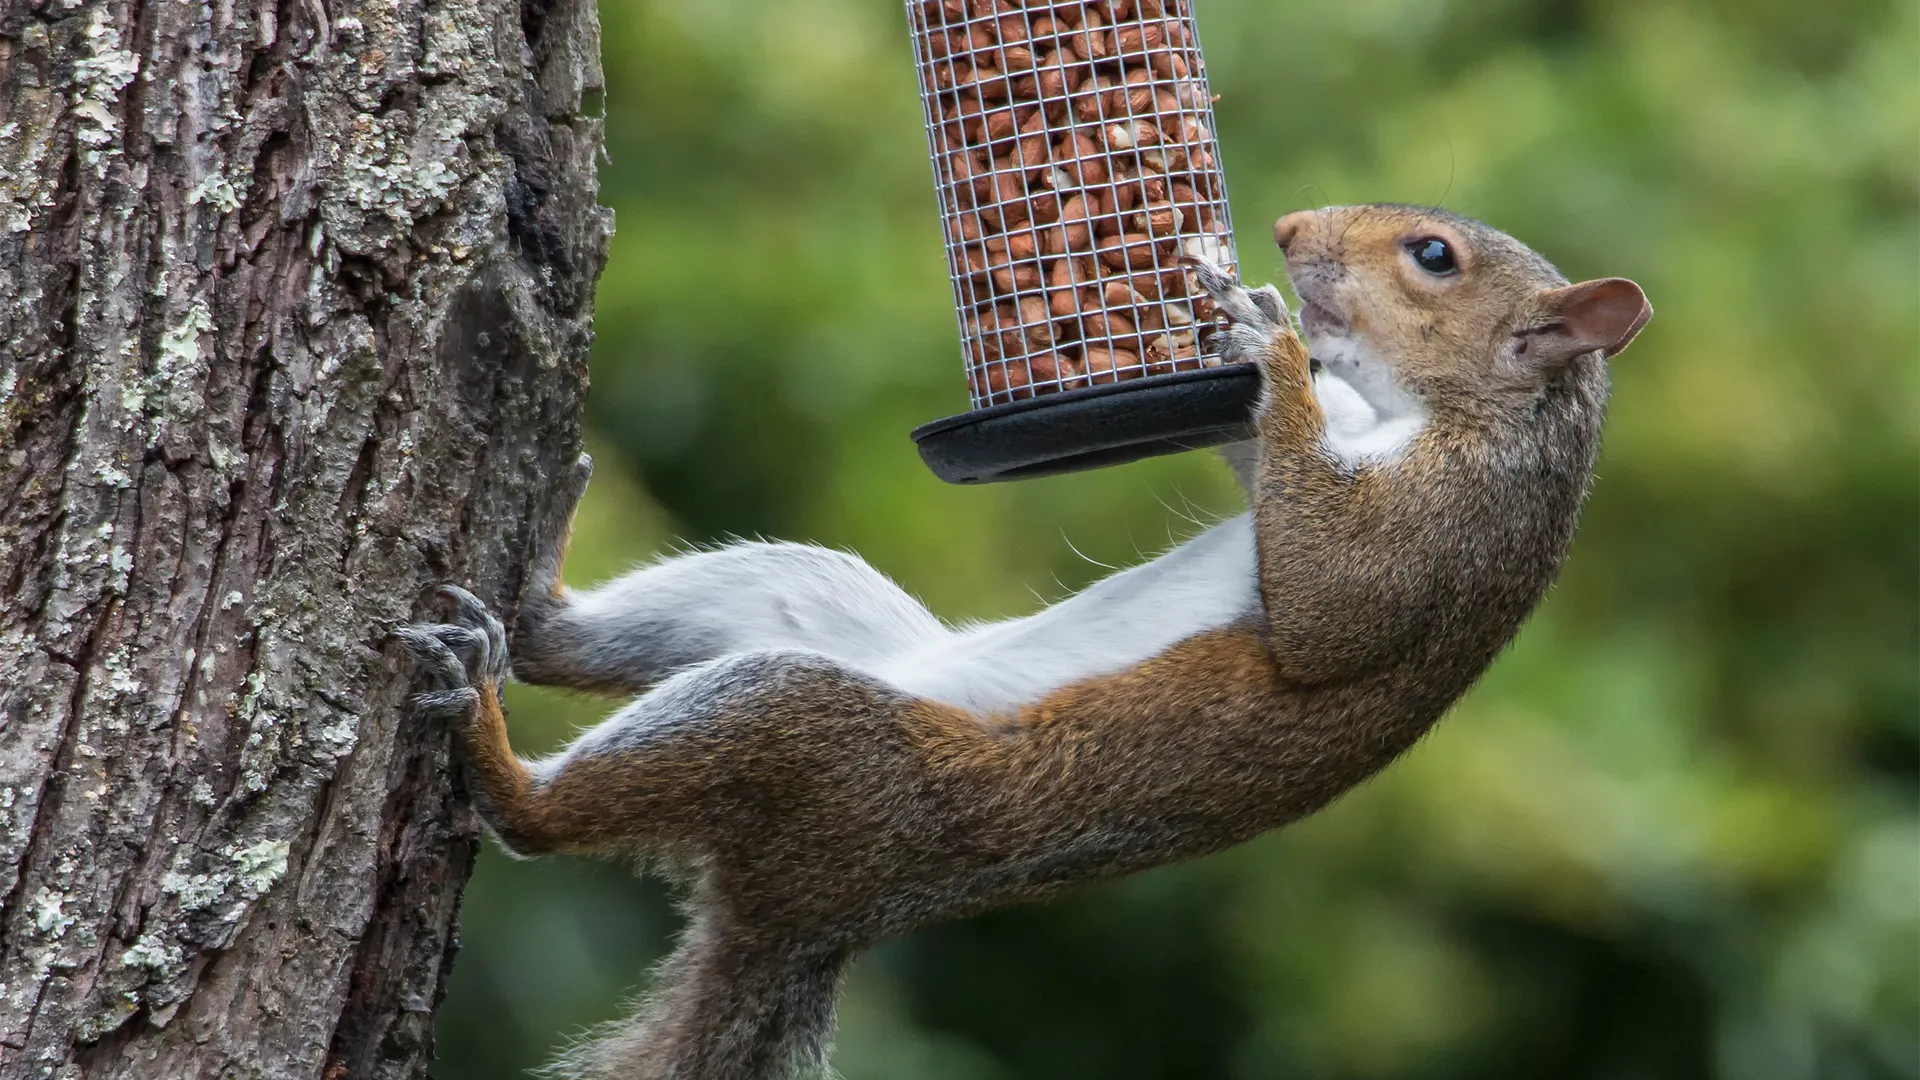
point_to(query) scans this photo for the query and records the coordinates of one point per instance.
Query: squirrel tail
(726, 1006)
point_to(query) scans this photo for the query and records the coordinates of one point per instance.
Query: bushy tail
(726, 1006)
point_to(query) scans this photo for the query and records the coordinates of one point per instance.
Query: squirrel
(823, 763)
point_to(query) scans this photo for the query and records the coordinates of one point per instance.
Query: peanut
(1158, 219)
(1129, 250)
(1095, 41)
(1168, 65)
(1009, 275)
(1142, 38)
(1045, 367)
(1106, 325)
(1073, 215)
(1121, 294)
(1036, 321)
(1062, 298)
(1083, 161)
(1009, 379)
(1105, 365)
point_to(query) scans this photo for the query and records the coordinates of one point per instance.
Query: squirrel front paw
(1259, 330)
(461, 656)
(1256, 317)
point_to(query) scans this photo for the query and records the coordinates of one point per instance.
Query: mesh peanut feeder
(1074, 156)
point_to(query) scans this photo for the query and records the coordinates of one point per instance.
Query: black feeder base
(1092, 428)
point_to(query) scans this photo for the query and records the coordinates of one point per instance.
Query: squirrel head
(1444, 307)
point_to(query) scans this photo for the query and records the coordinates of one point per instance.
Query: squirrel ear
(1604, 314)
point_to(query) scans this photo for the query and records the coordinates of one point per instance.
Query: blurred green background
(1672, 834)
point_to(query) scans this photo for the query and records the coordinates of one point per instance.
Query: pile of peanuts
(1073, 148)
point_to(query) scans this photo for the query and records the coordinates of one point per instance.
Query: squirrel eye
(1432, 255)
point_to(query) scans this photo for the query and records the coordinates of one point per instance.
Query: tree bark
(294, 311)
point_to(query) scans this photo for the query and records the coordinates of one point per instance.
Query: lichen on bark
(294, 308)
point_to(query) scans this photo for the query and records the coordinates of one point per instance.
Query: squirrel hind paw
(437, 650)
(468, 609)
(469, 649)
(459, 703)
(485, 636)
(433, 656)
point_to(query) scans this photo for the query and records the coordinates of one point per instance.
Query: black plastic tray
(1093, 428)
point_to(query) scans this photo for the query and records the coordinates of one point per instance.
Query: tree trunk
(294, 314)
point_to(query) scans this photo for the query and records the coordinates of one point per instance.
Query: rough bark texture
(294, 312)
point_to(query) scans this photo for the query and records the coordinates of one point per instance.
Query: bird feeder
(1075, 161)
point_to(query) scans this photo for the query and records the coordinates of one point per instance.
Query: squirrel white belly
(825, 763)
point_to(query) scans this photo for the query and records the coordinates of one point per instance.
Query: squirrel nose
(1289, 227)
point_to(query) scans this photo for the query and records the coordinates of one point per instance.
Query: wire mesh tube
(1075, 160)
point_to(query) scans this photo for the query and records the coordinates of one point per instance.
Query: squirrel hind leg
(464, 661)
(556, 532)
(543, 652)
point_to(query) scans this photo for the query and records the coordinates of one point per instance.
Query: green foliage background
(1673, 834)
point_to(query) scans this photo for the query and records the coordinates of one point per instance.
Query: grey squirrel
(824, 763)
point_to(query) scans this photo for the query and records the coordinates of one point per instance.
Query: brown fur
(815, 810)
